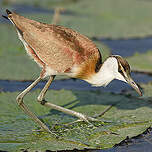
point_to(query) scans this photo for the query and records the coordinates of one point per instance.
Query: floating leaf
(102, 18)
(147, 89)
(141, 62)
(129, 116)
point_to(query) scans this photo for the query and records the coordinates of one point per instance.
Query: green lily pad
(129, 116)
(102, 18)
(111, 18)
(147, 88)
(141, 62)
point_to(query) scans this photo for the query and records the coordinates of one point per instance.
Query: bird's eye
(120, 71)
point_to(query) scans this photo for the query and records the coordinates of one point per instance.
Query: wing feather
(58, 47)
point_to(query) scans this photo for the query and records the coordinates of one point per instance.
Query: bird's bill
(134, 85)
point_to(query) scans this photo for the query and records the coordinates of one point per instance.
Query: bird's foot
(87, 119)
(48, 131)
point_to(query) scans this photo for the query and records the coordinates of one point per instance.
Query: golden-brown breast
(58, 47)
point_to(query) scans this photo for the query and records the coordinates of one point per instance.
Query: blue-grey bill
(134, 85)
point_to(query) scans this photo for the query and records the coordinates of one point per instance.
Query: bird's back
(57, 47)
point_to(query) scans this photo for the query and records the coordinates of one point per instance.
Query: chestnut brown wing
(58, 47)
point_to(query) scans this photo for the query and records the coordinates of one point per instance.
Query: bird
(59, 50)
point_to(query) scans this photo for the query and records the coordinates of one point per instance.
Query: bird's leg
(40, 98)
(59, 108)
(102, 113)
(20, 102)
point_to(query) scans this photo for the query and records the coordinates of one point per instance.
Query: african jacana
(62, 51)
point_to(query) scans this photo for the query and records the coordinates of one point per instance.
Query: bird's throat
(102, 78)
(105, 74)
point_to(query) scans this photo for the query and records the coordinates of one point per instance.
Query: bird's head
(121, 70)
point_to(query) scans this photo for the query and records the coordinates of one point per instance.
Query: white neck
(106, 73)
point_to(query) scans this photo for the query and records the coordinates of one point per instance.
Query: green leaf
(129, 116)
(101, 18)
(141, 62)
(147, 89)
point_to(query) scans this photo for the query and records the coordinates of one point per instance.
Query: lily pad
(102, 18)
(111, 18)
(141, 62)
(147, 88)
(129, 116)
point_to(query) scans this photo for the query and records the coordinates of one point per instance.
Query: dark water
(70, 84)
(128, 47)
